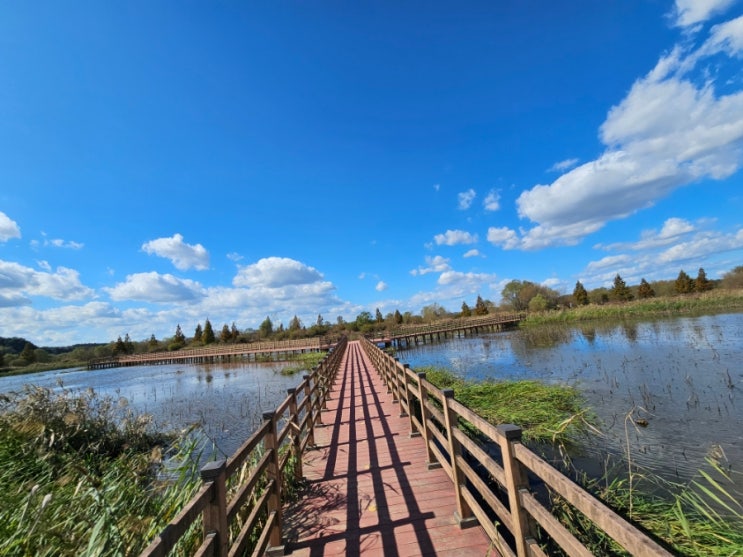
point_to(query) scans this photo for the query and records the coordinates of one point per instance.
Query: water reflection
(667, 390)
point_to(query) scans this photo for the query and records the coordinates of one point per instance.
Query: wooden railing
(502, 494)
(251, 507)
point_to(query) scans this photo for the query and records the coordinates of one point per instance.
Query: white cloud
(673, 229)
(157, 288)
(466, 198)
(58, 243)
(381, 286)
(183, 256)
(472, 253)
(701, 246)
(492, 201)
(17, 282)
(609, 262)
(435, 264)
(455, 237)
(562, 166)
(666, 133)
(276, 272)
(234, 256)
(691, 12)
(8, 228)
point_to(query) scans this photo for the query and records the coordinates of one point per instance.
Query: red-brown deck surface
(370, 491)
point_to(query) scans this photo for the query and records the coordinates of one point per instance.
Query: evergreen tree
(208, 335)
(580, 294)
(179, 338)
(153, 344)
(225, 335)
(295, 324)
(266, 328)
(466, 311)
(620, 291)
(234, 333)
(379, 318)
(645, 290)
(702, 284)
(683, 284)
(481, 307)
(27, 354)
(198, 333)
(398, 317)
(119, 347)
(128, 344)
(320, 322)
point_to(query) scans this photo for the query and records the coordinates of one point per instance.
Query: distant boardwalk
(370, 491)
(217, 354)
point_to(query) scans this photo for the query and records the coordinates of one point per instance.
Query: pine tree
(179, 338)
(702, 284)
(27, 354)
(208, 335)
(378, 316)
(683, 284)
(620, 291)
(466, 311)
(119, 347)
(481, 307)
(234, 333)
(295, 324)
(225, 335)
(128, 344)
(266, 328)
(198, 333)
(645, 290)
(580, 294)
(398, 317)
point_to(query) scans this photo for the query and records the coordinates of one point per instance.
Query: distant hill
(15, 345)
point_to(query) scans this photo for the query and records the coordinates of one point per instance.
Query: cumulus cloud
(381, 286)
(673, 229)
(184, 256)
(466, 198)
(492, 201)
(472, 253)
(156, 288)
(276, 272)
(8, 228)
(455, 237)
(18, 282)
(436, 264)
(667, 132)
(692, 12)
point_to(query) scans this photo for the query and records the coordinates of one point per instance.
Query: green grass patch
(545, 412)
(303, 362)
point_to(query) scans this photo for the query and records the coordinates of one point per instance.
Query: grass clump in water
(544, 412)
(304, 362)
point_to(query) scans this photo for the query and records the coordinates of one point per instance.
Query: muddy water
(682, 377)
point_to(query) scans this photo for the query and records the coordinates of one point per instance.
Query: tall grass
(714, 301)
(83, 475)
(544, 412)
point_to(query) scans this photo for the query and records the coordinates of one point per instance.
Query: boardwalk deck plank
(369, 489)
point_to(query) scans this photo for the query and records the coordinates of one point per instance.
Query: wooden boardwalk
(370, 491)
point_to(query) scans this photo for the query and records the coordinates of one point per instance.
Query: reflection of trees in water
(543, 336)
(589, 333)
(630, 330)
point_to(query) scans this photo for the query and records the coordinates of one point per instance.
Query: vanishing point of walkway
(369, 489)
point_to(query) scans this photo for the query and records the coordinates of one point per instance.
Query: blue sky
(165, 162)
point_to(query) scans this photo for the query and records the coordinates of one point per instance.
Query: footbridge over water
(384, 464)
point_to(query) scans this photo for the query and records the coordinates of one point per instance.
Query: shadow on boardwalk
(368, 488)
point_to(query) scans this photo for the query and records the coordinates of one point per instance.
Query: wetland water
(227, 401)
(683, 376)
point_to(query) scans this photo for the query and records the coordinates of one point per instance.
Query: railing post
(215, 513)
(270, 443)
(464, 513)
(516, 480)
(431, 461)
(310, 411)
(405, 389)
(296, 434)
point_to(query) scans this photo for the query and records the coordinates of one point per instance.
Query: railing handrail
(447, 443)
(284, 433)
